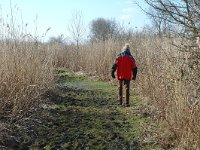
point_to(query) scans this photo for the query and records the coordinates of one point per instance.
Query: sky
(39, 15)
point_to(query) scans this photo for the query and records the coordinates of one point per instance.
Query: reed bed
(26, 70)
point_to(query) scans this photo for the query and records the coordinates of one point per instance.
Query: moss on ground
(83, 114)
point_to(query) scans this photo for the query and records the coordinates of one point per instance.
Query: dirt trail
(82, 114)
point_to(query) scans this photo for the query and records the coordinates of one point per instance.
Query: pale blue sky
(58, 13)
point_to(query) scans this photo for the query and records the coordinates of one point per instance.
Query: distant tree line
(100, 29)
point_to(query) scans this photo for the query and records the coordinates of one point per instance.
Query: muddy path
(82, 113)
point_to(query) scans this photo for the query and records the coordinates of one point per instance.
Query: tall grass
(26, 66)
(172, 84)
(26, 71)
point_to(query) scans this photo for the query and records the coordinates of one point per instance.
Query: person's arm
(114, 67)
(113, 70)
(134, 73)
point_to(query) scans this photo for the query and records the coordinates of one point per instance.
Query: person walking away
(125, 66)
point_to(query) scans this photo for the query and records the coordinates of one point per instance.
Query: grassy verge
(87, 116)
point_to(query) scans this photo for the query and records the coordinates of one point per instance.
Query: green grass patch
(84, 114)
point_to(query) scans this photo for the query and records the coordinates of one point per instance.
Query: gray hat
(126, 46)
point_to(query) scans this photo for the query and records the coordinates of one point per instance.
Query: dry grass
(172, 83)
(26, 71)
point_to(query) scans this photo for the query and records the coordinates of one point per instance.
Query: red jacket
(125, 65)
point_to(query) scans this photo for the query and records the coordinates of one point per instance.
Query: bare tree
(159, 23)
(103, 29)
(77, 28)
(184, 13)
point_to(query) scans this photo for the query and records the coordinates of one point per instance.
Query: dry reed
(26, 71)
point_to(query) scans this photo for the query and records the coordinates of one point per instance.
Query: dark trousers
(126, 83)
